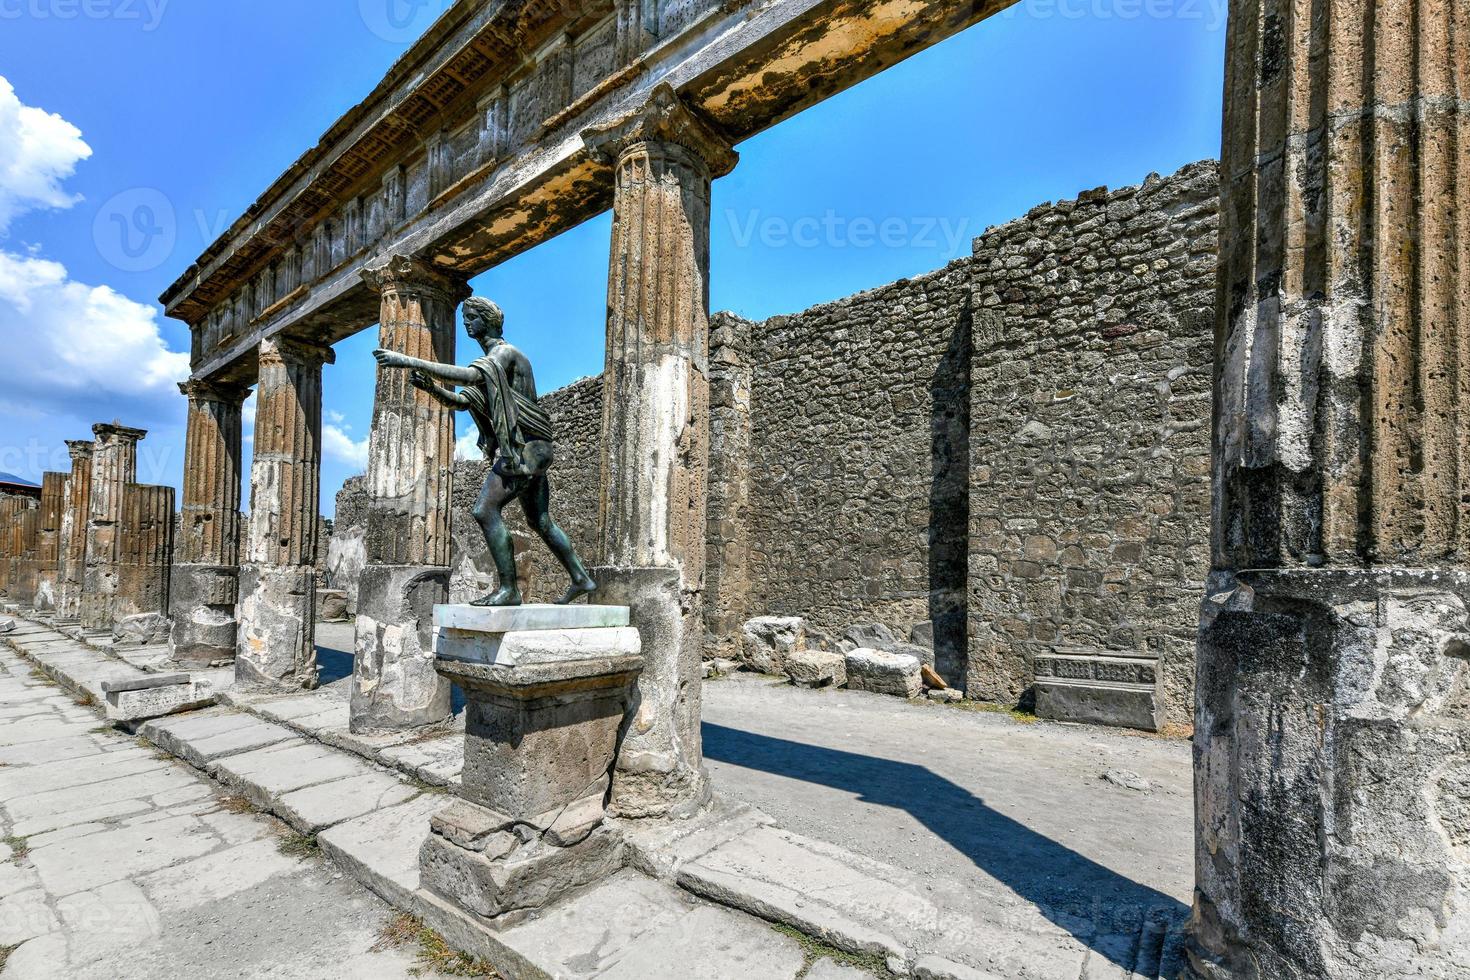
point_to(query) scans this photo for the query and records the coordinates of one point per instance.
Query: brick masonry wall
(1089, 482)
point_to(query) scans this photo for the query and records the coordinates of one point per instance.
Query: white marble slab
(516, 619)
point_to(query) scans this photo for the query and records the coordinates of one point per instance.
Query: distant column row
(92, 547)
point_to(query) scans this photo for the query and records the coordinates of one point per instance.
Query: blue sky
(193, 108)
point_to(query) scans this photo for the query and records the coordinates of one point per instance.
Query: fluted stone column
(114, 466)
(48, 553)
(276, 645)
(143, 562)
(1332, 745)
(206, 578)
(656, 431)
(9, 508)
(409, 481)
(73, 542)
(27, 545)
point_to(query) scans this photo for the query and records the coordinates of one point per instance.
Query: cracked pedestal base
(547, 695)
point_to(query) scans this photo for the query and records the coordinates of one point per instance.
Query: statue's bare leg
(537, 503)
(496, 494)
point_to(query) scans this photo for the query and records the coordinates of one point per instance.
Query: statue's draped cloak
(506, 417)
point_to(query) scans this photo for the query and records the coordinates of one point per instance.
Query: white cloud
(467, 446)
(38, 150)
(85, 350)
(337, 418)
(339, 445)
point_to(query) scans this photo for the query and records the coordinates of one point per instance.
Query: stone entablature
(466, 154)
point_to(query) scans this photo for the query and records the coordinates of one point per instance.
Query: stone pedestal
(1333, 790)
(276, 643)
(205, 587)
(410, 457)
(548, 690)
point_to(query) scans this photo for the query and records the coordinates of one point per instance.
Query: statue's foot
(578, 588)
(502, 596)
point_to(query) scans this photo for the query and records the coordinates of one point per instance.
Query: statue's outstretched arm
(444, 396)
(452, 373)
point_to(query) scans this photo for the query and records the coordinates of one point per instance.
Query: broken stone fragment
(1128, 779)
(884, 673)
(947, 695)
(469, 826)
(768, 640)
(155, 696)
(817, 668)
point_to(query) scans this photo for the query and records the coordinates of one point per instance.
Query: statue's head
(482, 318)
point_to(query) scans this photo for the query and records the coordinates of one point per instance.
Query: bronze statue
(515, 435)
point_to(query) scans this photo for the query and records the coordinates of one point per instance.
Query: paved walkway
(948, 844)
(957, 795)
(122, 862)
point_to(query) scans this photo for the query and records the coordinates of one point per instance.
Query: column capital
(208, 390)
(400, 273)
(80, 449)
(122, 433)
(664, 118)
(283, 350)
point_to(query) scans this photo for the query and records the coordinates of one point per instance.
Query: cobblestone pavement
(121, 862)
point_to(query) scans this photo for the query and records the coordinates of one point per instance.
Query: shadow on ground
(1063, 885)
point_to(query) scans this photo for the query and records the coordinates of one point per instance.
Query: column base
(203, 600)
(99, 590)
(1332, 774)
(660, 769)
(394, 684)
(276, 641)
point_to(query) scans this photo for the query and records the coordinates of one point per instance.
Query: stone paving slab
(316, 808)
(201, 739)
(265, 775)
(381, 849)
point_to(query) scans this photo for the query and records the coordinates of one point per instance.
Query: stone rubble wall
(1009, 455)
(1090, 442)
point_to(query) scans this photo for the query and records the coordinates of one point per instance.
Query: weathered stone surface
(72, 547)
(816, 668)
(394, 685)
(155, 697)
(1092, 688)
(539, 737)
(114, 466)
(660, 768)
(203, 738)
(381, 848)
(529, 877)
(276, 646)
(884, 673)
(1311, 679)
(768, 640)
(203, 599)
(265, 775)
(316, 808)
(331, 606)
